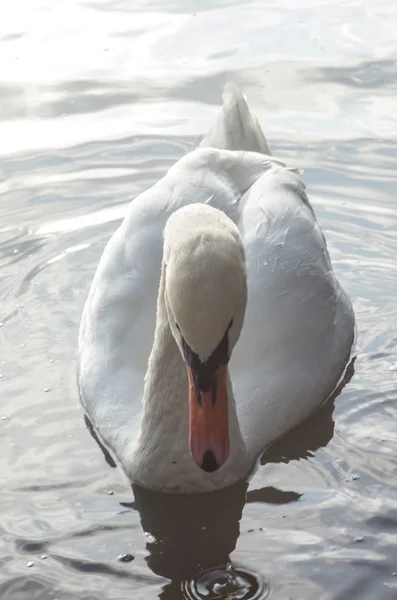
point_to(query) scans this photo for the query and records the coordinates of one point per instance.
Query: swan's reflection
(190, 533)
(190, 540)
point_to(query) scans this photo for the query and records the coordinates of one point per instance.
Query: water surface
(97, 100)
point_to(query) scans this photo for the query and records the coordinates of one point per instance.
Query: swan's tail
(236, 128)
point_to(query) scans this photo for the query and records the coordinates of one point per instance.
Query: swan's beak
(209, 427)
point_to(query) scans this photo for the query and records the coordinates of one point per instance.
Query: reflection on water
(97, 100)
(189, 534)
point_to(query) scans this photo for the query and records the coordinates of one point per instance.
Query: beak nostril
(209, 463)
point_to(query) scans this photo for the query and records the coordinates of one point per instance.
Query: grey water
(97, 99)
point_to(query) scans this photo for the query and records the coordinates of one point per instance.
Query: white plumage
(298, 327)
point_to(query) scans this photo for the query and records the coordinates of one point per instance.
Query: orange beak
(208, 422)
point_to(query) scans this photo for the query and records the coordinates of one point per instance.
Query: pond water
(97, 100)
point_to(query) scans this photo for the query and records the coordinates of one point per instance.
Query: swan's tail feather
(236, 128)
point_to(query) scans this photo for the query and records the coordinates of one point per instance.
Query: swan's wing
(299, 323)
(117, 326)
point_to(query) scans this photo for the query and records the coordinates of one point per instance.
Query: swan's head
(205, 296)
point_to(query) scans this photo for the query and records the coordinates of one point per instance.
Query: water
(97, 99)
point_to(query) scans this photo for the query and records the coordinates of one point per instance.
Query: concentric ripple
(230, 582)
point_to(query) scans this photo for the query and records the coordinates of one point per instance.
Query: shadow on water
(191, 537)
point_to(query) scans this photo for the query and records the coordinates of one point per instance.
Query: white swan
(227, 247)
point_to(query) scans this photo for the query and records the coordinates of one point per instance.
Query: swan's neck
(162, 454)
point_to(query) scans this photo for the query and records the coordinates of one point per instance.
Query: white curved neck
(162, 450)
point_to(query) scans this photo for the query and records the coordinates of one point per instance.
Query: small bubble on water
(30, 564)
(46, 389)
(392, 367)
(43, 556)
(110, 492)
(3, 418)
(125, 558)
(353, 477)
(1, 324)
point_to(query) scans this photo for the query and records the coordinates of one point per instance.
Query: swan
(214, 322)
